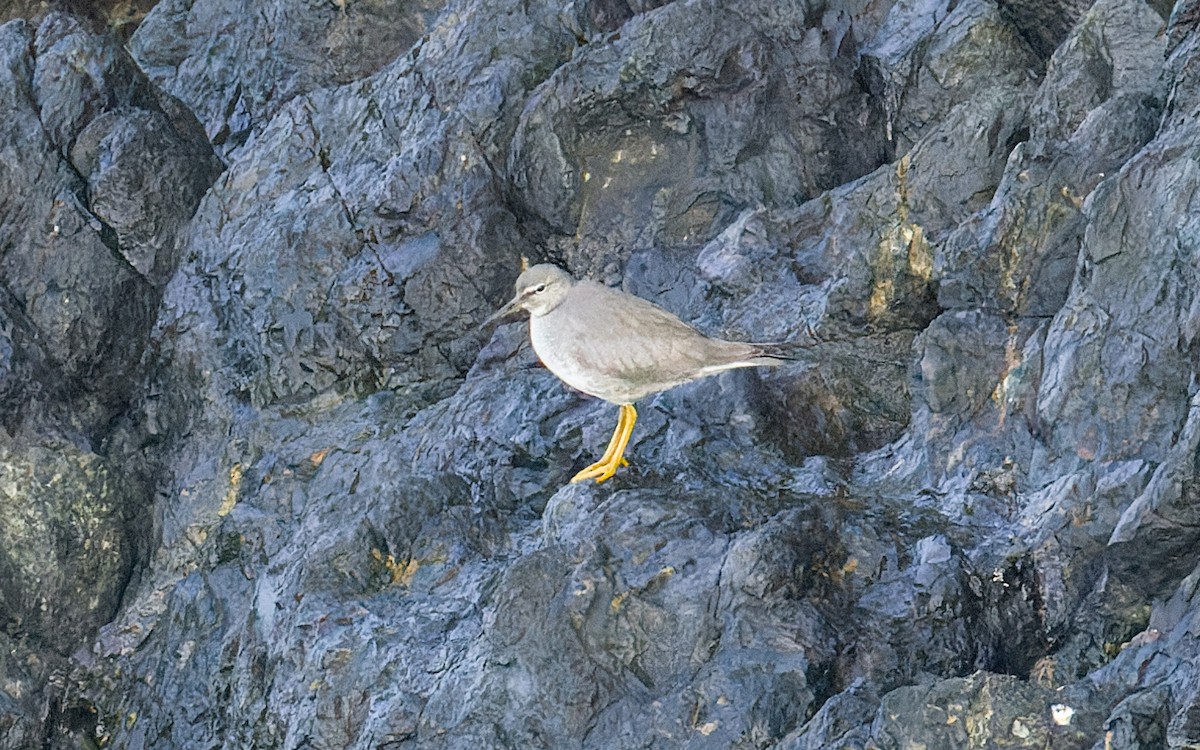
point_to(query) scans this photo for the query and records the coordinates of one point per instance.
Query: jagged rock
(81, 293)
(234, 70)
(1044, 24)
(964, 516)
(694, 112)
(65, 554)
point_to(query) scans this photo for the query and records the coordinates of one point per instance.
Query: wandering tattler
(618, 347)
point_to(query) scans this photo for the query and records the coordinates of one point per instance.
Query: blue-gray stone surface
(266, 483)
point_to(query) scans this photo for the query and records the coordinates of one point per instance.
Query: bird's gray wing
(645, 342)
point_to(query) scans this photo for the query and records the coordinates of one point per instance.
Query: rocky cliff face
(265, 483)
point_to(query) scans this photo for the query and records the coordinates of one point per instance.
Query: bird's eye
(539, 289)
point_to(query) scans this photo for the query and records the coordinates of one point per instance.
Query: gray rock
(962, 711)
(95, 248)
(695, 112)
(236, 70)
(65, 553)
(269, 486)
(77, 300)
(1044, 25)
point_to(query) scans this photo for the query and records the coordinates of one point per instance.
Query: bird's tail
(782, 353)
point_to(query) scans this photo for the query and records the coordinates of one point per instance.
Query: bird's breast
(569, 355)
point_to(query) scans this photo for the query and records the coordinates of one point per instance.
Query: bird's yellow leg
(616, 436)
(618, 458)
(599, 467)
(614, 455)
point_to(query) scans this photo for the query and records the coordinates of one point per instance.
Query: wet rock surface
(264, 482)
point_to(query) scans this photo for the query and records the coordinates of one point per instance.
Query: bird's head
(539, 289)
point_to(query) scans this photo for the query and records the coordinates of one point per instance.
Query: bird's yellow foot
(600, 471)
(614, 455)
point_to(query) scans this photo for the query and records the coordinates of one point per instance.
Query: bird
(619, 348)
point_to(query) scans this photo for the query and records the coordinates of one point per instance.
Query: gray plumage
(615, 346)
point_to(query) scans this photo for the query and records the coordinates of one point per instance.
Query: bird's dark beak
(512, 307)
